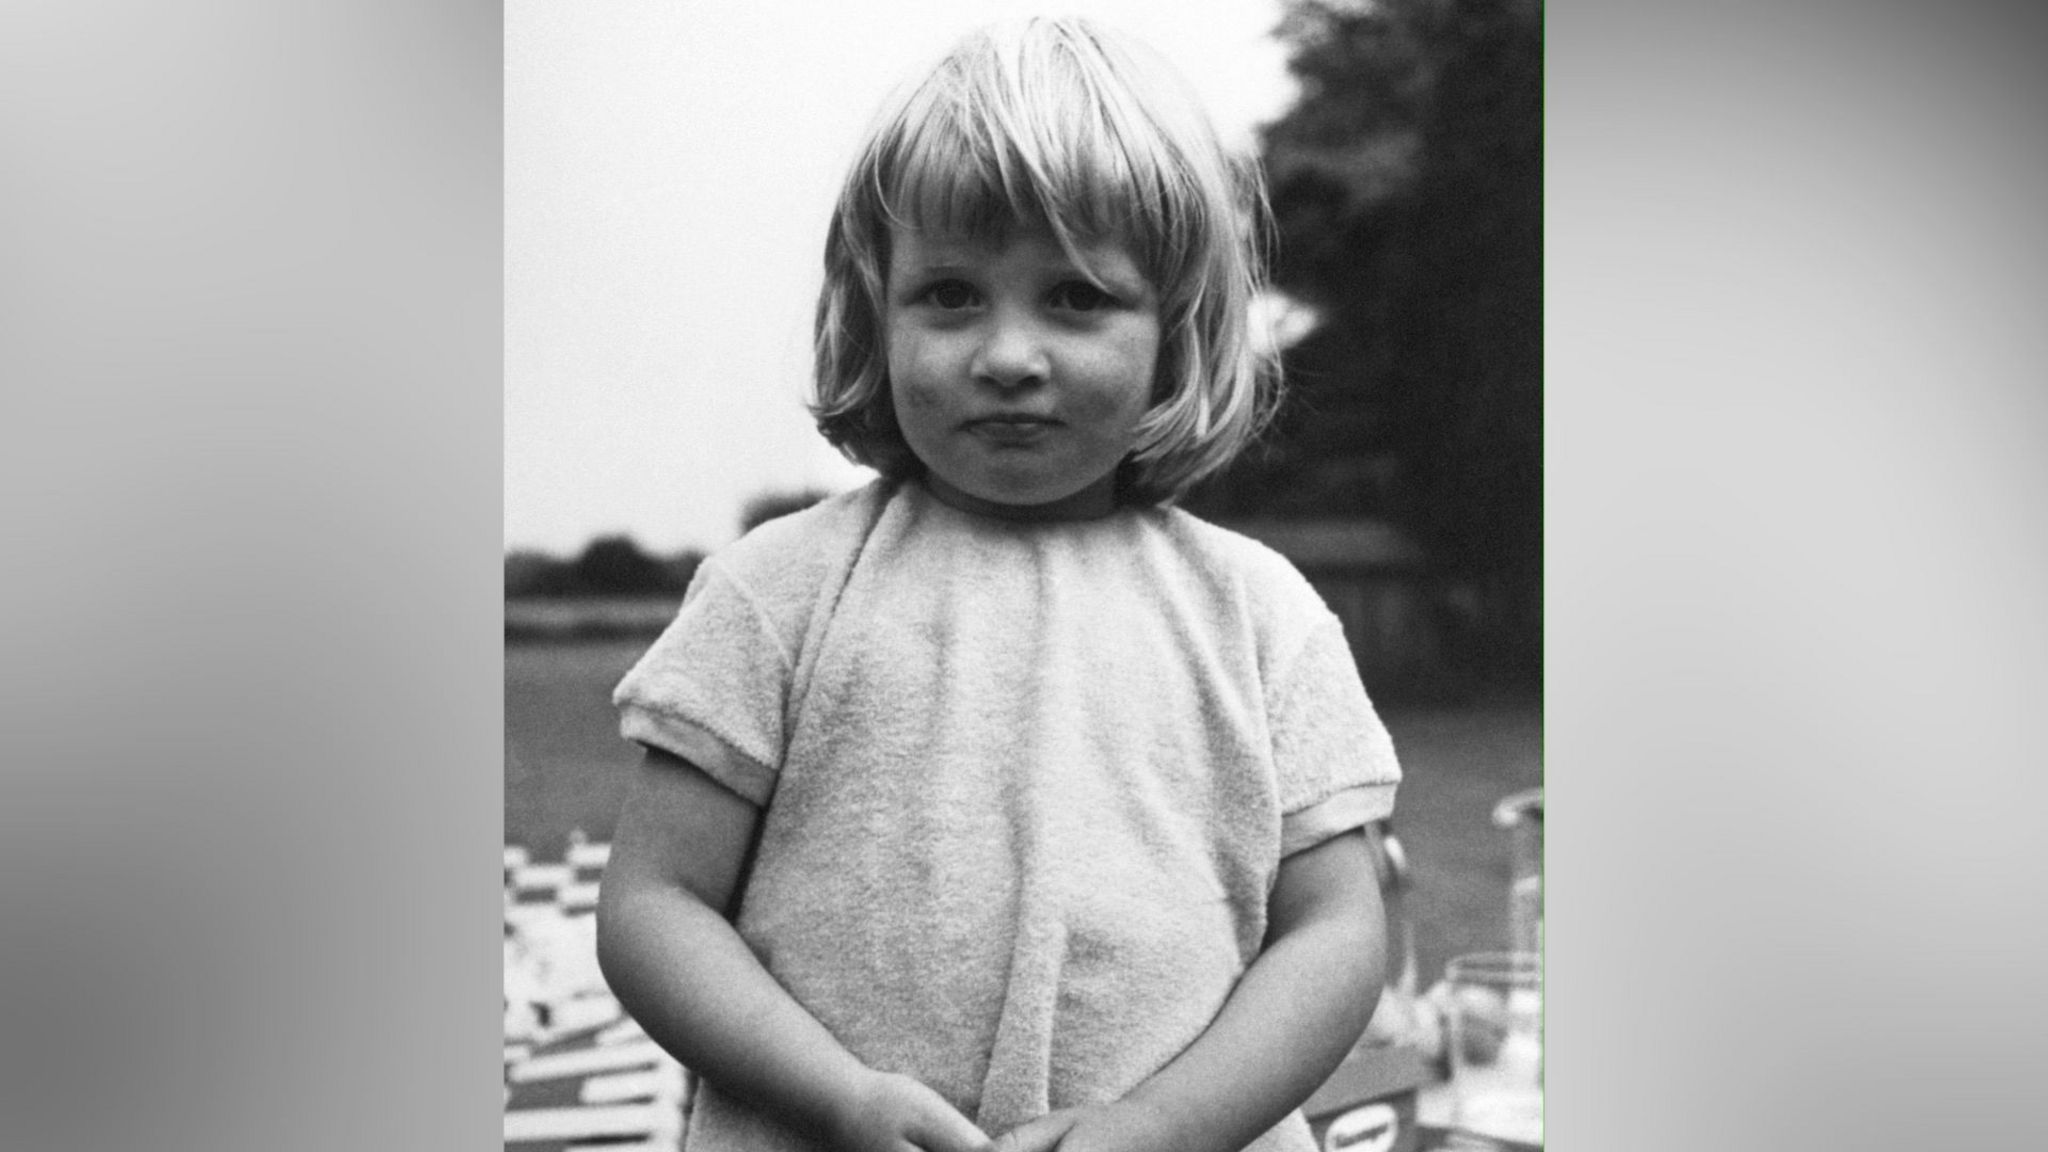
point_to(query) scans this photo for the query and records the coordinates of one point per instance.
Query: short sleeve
(713, 688)
(1333, 757)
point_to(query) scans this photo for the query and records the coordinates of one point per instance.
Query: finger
(1040, 1135)
(941, 1128)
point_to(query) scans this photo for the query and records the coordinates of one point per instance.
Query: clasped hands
(897, 1113)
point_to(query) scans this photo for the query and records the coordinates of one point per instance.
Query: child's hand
(1119, 1127)
(897, 1113)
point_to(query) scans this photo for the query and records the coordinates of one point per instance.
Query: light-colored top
(1026, 786)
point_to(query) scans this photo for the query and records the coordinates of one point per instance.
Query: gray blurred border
(249, 331)
(249, 437)
(1797, 517)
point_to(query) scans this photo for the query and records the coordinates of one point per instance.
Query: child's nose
(1012, 353)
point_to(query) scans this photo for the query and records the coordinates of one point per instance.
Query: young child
(999, 799)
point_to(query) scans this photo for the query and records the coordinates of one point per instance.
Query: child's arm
(1299, 1008)
(676, 963)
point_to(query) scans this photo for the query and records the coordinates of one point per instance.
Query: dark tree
(529, 573)
(615, 566)
(1407, 189)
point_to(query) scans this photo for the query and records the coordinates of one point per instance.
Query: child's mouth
(1011, 429)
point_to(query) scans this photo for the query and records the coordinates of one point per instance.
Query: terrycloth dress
(1026, 787)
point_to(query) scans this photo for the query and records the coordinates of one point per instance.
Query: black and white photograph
(1011, 578)
(1023, 577)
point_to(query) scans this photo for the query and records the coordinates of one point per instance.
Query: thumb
(1040, 1135)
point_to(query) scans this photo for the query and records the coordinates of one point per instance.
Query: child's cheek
(916, 394)
(918, 367)
(921, 413)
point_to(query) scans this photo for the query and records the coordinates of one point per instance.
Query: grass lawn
(565, 769)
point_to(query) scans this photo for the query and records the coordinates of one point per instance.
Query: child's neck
(1091, 503)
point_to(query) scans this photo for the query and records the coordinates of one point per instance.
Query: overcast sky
(668, 171)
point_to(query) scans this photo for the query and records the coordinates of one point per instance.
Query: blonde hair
(1063, 125)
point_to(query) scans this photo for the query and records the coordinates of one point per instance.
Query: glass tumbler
(1496, 1035)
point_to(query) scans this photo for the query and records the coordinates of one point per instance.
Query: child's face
(1018, 383)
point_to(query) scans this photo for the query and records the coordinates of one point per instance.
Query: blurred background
(669, 171)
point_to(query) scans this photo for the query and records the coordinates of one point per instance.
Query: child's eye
(950, 295)
(1080, 296)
